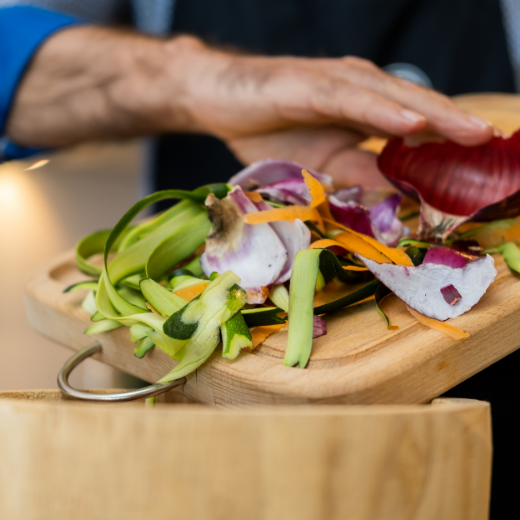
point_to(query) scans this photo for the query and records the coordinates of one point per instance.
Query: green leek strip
(133, 296)
(175, 248)
(142, 230)
(306, 266)
(235, 336)
(409, 216)
(263, 316)
(178, 244)
(91, 285)
(97, 316)
(123, 306)
(313, 228)
(133, 260)
(320, 282)
(279, 295)
(330, 267)
(416, 254)
(195, 267)
(303, 283)
(496, 224)
(511, 255)
(105, 306)
(160, 298)
(382, 292)
(89, 303)
(219, 302)
(197, 196)
(181, 282)
(405, 242)
(150, 402)
(133, 281)
(103, 326)
(94, 244)
(143, 347)
(139, 332)
(350, 299)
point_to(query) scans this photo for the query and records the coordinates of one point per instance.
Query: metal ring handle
(131, 395)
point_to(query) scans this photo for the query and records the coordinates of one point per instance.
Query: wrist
(167, 81)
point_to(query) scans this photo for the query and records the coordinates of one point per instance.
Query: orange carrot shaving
(353, 244)
(200, 250)
(286, 213)
(260, 334)
(150, 308)
(324, 210)
(253, 196)
(324, 243)
(395, 255)
(449, 330)
(192, 291)
(356, 244)
(315, 188)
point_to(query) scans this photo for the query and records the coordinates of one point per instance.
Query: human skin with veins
(90, 83)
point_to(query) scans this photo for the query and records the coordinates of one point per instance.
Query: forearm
(91, 82)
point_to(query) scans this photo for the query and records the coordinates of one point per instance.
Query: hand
(325, 149)
(316, 111)
(93, 82)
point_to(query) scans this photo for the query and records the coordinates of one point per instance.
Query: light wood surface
(85, 462)
(359, 361)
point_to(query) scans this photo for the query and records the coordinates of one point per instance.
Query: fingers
(320, 98)
(352, 166)
(443, 117)
(309, 146)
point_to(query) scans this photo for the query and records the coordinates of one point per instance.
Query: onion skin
(319, 327)
(369, 211)
(447, 256)
(456, 183)
(421, 287)
(270, 171)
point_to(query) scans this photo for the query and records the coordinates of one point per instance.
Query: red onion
(456, 183)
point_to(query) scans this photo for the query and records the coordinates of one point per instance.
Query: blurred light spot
(37, 164)
(9, 190)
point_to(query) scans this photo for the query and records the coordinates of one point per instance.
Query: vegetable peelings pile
(233, 263)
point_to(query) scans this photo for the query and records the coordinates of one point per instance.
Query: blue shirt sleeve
(22, 30)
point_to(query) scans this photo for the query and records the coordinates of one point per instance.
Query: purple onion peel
(319, 327)
(420, 287)
(269, 171)
(291, 191)
(254, 253)
(294, 236)
(451, 295)
(446, 256)
(371, 212)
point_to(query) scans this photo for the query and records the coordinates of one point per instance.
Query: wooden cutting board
(358, 361)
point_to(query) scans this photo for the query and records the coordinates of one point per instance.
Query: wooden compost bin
(70, 460)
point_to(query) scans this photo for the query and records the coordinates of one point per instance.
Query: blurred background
(43, 212)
